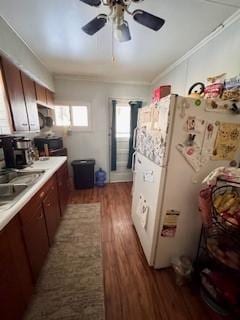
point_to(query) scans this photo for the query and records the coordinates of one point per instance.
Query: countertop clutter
(50, 166)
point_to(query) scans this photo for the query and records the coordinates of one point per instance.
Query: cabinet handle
(42, 194)
(48, 204)
(24, 124)
(40, 216)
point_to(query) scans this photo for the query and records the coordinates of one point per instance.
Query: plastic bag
(183, 269)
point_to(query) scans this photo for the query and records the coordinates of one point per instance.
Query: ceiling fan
(116, 15)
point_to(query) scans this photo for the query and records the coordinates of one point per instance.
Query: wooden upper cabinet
(50, 98)
(31, 104)
(15, 94)
(41, 94)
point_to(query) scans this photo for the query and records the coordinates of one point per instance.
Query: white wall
(94, 144)
(221, 54)
(15, 49)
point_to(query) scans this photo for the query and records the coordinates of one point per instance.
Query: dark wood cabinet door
(15, 277)
(35, 236)
(52, 212)
(41, 94)
(50, 98)
(15, 94)
(21, 261)
(63, 187)
(31, 103)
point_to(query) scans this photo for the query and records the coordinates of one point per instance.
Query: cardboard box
(160, 93)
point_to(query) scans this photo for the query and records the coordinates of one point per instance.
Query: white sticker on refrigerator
(142, 211)
(148, 176)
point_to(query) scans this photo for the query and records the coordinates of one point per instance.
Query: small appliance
(17, 151)
(53, 142)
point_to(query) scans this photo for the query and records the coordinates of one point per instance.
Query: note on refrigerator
(148, 176)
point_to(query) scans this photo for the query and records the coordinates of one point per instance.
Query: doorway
(122, 114)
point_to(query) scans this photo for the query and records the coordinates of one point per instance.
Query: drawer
(37, 199)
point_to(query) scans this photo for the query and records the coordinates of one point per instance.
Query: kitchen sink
(9, 192)
(13, 183)
(20, 176)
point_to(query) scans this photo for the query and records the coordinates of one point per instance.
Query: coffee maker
(17, 151)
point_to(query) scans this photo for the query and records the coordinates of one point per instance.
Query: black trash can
(83, 171)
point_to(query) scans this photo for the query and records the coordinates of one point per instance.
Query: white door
(148, 183)
(122, 174)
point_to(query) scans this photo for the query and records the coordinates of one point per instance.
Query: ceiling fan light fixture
(122, 32)
(118, 8)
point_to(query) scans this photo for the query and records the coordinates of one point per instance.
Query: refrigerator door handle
(134, 161)
(135, 138)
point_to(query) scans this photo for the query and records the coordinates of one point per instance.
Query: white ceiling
(52, 29)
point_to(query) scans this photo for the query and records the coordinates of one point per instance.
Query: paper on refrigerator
(202, 148)
(142, 211)
(227, 142)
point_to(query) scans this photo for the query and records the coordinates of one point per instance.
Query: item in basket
(204, 203)
(230, 220)
(232, 89)
(215, 86)
(222, 251)
(224, 202)
(227, 206)
(221, 286)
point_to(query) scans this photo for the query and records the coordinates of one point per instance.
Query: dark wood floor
(133, 290)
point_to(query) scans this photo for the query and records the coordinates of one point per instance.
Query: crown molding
(25, 43)
(100, 79)
(222, 27)
(19, 65)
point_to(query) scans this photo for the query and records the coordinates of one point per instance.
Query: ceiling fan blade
(122, 33)
(95, 25)
(148, 20)
(93, 3)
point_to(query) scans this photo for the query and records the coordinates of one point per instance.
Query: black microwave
(53, 143)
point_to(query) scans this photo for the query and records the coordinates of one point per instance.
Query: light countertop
(50, 166)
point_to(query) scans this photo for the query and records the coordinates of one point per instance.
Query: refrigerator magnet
(198, 102)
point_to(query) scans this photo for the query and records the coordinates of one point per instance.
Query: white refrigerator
(177, 142)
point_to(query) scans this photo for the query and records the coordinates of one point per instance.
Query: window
(62, 116)
(73, 116)
(80, 116)
(123, 121)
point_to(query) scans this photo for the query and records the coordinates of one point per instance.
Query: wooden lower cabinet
(35, 236)
(24, 245)
(63, 187)
(15, 278)
(52, 211)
